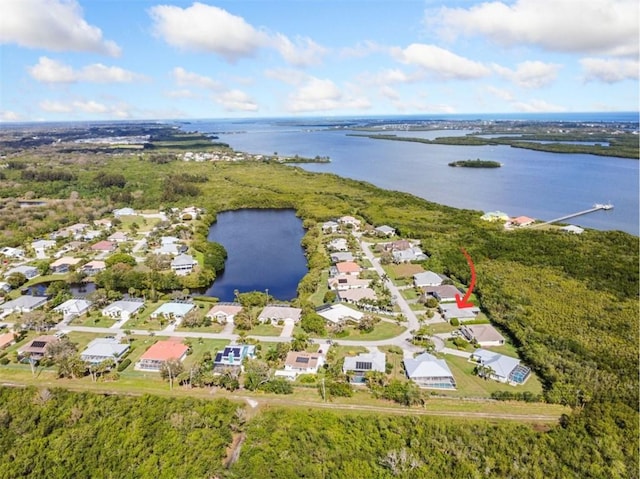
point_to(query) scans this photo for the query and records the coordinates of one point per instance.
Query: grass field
(403, 271)
(383, 330)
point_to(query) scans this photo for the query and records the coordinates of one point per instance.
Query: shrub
(455, 322)
(124, 364)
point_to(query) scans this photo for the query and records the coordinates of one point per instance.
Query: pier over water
(596, 207)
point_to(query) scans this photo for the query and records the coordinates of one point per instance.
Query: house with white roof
(124, 212)
(340, 256)
(385, 230)
(450, 311)
(40, 246)
(429, 372)
(183, 264)
(12, 252)
(173, 310)
(277, 313)
(73, 308)
(101, 349)
(350, 221)
(29, 272)
(427, 278)
(118, 237)
(356, 367)
(24, 304)
(64, 264)
(414, 253)
(224, 312)
(338, 244)
(330, 227)
(573, 229)
(93, 267)
(357, 294)
(123, 309)
(339, 313)
(500, 367)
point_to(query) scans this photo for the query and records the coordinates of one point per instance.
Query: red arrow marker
(464, 302)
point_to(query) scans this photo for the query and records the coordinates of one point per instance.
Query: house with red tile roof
(162, 351)
(522, 221)
(6, 340)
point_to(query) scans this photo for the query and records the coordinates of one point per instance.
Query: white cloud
(362, 50)
(390, 93)
(182, 93)
(53, 71)
(591, 26)
(81, 106)
(287, 75)
(500, 93)
(52, 25)
(208, 29)
(530, 74)
(609, 70)
(537, 106)
(236, 100)
(184, 78)
(323, 95)
(8, 115)
(440, 62)
(305, 53)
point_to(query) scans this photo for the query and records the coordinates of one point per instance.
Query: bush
(278, 386)
(124, 364)
(455, 322)
(4, 361)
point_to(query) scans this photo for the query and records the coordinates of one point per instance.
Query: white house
(483, 334)
(338, 313)
(173, 310)
(342, 282)
(427, 371)
(350, 221)
(73, 308)
(385, 230)
(224, 313)
(356, 367)
(427, 278)
(29, 272)
(330, 227)
(500, 367)
(122, 309)
(450, 311)
(24, 304)
(183, 264)
(124, 212)
(101, 349)
(301, 362)
(277, 313)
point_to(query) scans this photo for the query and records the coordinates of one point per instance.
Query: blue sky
(139, 59)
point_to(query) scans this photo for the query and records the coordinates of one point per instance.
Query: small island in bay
(476, 164)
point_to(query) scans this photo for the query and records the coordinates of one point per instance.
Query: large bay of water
(537, 184)
(264, 252)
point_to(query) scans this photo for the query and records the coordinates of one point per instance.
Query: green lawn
(469, 385)
(441, 327)
(214, 328)
(317, 298)
(383, 330)
(94, 319)
(410, 293)
(266, 329)
(143, 320)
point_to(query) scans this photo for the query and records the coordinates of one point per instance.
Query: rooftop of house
(365, 362)
(348, 267)
(165, 350)
(426, 366)
(227, 309)
(303, 360)
(482, 333)
(280, 312)
(339, 312)
(175, 308)
(108, 348)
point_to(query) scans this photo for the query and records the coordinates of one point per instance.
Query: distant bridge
(596, 207)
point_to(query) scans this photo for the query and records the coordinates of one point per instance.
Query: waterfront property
(339, 313)
(279, 313)
(173, 310)
(429, 372)
(73, 307)
(123, 309)
(24, 304)
(224, 312)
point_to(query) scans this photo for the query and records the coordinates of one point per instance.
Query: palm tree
(300, 342)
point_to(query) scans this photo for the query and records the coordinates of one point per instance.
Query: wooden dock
(596, 207)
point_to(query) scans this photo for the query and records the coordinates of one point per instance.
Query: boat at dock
(607, 206)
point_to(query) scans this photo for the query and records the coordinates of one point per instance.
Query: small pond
(264, 253)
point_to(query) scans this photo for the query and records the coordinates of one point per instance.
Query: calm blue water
(264, 252)
(537, 184)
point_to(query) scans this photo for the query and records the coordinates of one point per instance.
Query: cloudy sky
(139, 59)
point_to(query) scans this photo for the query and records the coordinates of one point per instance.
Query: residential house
(183, 264)
(118, 237)
(277, 313)
(385, 230)
(123, 309)
(41, 246)
(445, 293)
(345, 268)
(64, 264)
(73, 307)
(483, 334)
(101, 349)
(500, 367)
(190, 213)
(427, 371)
(342, 282)
(329, 227)
(4, 287)
(301, 362)
(173, 310)
(450, 311)
(29, 272)
(495, 216)
(224, 312)
(231, 356)
(521, 221)
(413, 253)
(172, 249)
(427, 278)
(36, 348)
(339, 313)
(124, 212)
(6, 340)
(104, 223)
(90, 235)
(350, 221)
(162, 351)
(355, 296)
(104, 246)
(12, 252)
(341, 256)
(24, 304)
(356, 367)
(93, 267)
(573, 229)
(398, 245)
(338, 244)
